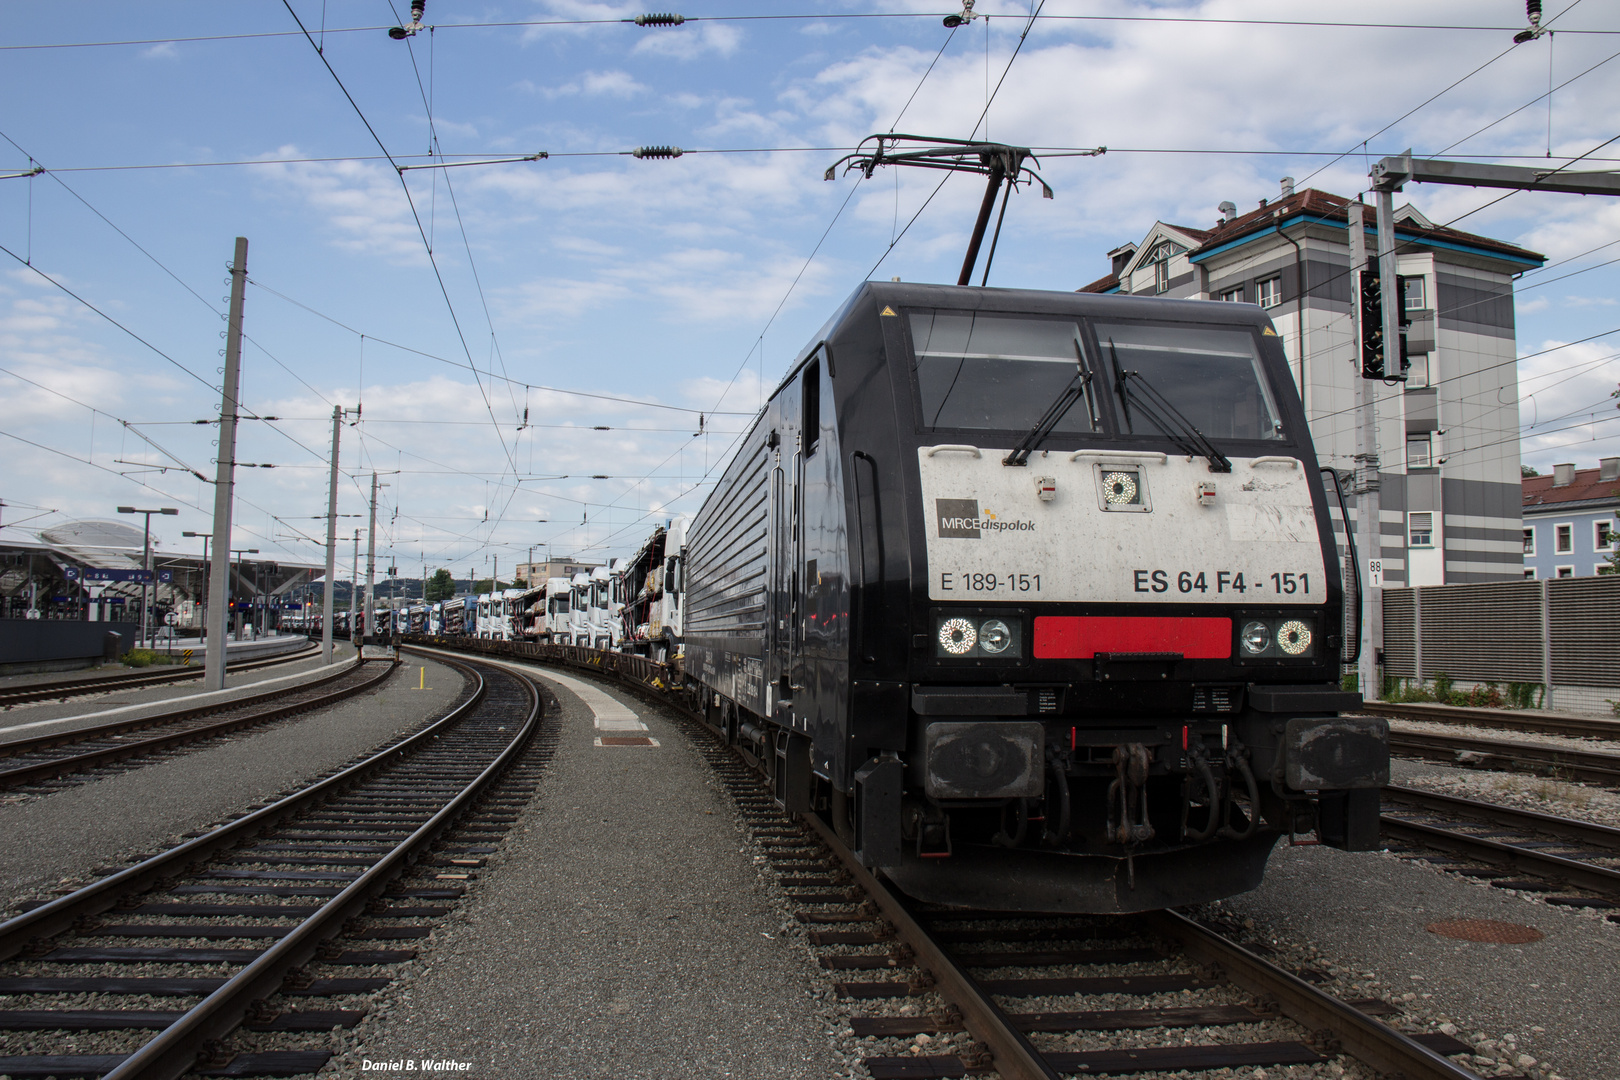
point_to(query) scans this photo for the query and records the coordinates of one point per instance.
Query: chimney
(1228, 211)
(1287, 186)
(1563, 475)
(1121, 256)
(1262, 204)
(1609, 468)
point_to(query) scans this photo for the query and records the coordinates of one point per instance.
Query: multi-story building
(1449, 435)
(537, 573)
(1571, 520)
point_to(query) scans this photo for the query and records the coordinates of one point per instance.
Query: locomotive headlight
(957, 636)
(994, 636)
(1256, 638)
(1294, 637)
(968, 634)
(1119, 488)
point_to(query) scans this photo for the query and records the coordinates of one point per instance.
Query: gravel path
(622, 934)
(54, 841)
(1364, 915)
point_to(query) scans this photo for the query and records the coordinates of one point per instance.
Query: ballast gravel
(621, 933)
(55, 842)
(1359, 920)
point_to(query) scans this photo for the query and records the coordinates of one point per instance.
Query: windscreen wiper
(1049, 419)
(1165, 416)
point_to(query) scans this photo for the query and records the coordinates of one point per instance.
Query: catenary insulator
(667, 19)
(658, 151)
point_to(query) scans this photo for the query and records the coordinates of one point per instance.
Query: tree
(441, 586)
(1528, 470)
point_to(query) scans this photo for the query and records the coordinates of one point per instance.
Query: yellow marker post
(421, 679)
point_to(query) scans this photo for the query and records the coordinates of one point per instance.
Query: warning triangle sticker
(1268, 332)
(887, 310)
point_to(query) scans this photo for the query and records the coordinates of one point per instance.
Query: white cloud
(690, 42)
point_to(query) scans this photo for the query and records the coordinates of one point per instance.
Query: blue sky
(686, 283)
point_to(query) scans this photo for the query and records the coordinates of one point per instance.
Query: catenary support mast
(224, 477)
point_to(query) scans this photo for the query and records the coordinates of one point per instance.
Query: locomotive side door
(785, 553)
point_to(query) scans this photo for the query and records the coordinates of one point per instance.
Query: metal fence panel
(1585, 631)
(1481, 633)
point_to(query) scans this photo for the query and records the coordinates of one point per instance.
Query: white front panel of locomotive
(1119, 528)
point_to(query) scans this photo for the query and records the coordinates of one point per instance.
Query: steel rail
(91, 759)
(174, 1052)
(133, 680)
(1527, 721)
(1015, 1057)
(1581, 832)
(1370, 1041)
(22, 931)
(1562, 869)
(1586, 765)
(119, 727)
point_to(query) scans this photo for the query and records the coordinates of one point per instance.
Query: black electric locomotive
(1035, 597)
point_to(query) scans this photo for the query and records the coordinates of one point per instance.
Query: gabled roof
(1588, 487)
(1184, 235)
(1327, 207)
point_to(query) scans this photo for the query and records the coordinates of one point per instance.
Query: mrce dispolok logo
(961, 518)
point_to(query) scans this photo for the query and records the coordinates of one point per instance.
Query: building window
(1414, 294)
(1529, 541)
(1233, 296)
(1603, 568)
(1530, 573)
(1420, 527)
(1563, 539)
(1566, 571)
(1417, 374)
(1417, 453)
(1602, 536)
(1268, 293)
(1161, 276)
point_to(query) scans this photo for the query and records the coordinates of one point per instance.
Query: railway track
(64, 689)
(957, 974)
(1559, 853)
(303, 902)
(45, 757)
(1581, 727)
(1564, 763)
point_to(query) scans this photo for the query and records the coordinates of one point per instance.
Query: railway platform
(621, 933)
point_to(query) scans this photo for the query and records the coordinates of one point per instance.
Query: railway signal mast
(1390, 175)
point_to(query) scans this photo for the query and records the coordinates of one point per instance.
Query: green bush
(139, 658)
(1524, 695)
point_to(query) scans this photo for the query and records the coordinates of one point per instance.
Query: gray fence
(58, 641)
(1558, 633)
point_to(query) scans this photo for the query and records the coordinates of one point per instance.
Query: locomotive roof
(1027, 301)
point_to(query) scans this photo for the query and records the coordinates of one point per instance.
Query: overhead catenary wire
(1325, 24)
(417, 218)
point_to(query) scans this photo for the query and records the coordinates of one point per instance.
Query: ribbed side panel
(1489, 632)
(726, 552)
(1585, 631)
(1399, 657)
